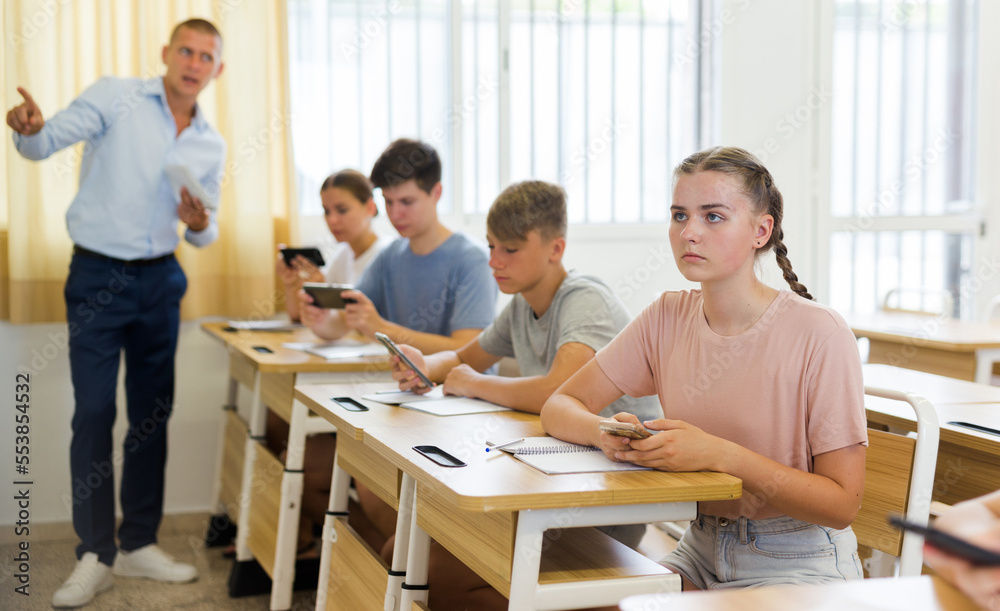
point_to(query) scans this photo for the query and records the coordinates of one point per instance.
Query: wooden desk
(937, 389)
(492, 513)
(968, 460)
(922, 593)
(945, 346)
(256, 490)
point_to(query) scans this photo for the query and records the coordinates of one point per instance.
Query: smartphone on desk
(311, 253)
(625, 429)
(950, 543)
(328, 295)
(394, 349)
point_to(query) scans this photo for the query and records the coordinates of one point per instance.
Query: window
(902, 152)
(362, 74)
(602, 96)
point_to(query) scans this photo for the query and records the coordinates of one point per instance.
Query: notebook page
(551, 455)
(454, 406)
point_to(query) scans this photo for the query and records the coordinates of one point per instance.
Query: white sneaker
(152, 562)
(88, 579)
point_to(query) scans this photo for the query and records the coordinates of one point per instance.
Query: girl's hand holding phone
(612, 442)
(973, 522)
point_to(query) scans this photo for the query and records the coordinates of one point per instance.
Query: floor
(51, 560)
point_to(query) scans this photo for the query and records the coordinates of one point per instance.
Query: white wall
(768, 71)
(193, 435)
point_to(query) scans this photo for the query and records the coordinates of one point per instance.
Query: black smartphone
(309, 252)
(975, 427)
(439, 456)
(950, 543)
(328, 295)
(350, 404)
(263, 349)
(393, 348)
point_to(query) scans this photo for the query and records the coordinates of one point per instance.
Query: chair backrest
(919, 301)
(899, 479)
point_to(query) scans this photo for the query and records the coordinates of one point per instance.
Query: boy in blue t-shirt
(432, 288)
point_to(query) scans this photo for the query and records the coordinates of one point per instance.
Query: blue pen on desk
(497, 446)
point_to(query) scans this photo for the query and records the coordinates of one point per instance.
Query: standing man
(123, 223)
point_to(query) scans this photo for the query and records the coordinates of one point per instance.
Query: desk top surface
(919, 329)
(496, 481)
(287, 360)
(899, 414)
(935, 388)
(922, 593)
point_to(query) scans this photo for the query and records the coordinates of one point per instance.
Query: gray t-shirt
(585, 311)
(441, 292)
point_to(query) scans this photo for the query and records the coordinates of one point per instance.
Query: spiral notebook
(551, 455)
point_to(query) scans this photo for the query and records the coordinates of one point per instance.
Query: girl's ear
(762, 234)
(370, 207)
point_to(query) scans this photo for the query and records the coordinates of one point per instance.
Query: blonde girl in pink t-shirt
(759, 383)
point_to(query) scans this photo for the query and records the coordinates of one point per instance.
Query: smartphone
(950, 543)
(439, 456)
(328, 295)
(350, 404)
(975, 427)
(393, 348)
(309, 252)
(625, 429)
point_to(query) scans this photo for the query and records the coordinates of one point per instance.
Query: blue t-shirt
(441, 292)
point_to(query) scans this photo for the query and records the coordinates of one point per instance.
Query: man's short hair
(404, 160)
(526, 206)
(198, 25)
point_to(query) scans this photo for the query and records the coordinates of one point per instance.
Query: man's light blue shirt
(125, 207)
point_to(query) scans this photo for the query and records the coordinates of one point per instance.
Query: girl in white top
(349, 208)
(762, 384)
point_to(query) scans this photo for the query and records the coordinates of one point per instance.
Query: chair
(899, 479)
(941, 302)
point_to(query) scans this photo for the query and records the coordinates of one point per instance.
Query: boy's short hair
(407, 159)
(526, 206)
(198, 25)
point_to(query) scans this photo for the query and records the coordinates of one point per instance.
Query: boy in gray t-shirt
(555, 323)
(583, 311)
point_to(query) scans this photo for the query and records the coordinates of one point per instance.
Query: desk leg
(258, 422)
(417, 558)
(531, 527)
(401, 546)
(340, 483)
(290, 506)
(221, 530)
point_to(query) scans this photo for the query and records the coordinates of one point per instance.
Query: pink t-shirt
(789, 388)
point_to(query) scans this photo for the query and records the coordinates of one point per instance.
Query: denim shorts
(721, 553)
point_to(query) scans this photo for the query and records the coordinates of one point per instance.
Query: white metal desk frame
(301, 426)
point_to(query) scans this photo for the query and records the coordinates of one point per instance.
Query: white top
(345, 268)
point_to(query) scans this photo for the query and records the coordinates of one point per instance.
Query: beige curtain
(56, 48)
